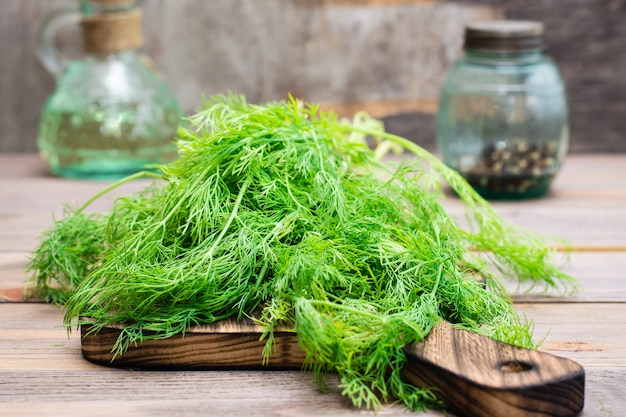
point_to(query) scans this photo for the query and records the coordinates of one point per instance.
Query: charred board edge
(200, 349)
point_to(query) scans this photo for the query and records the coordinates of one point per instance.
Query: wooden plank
(577, 331)
(585, 206)
(45, 367)
(582, 223)
(601, 277)
(577, 209)
(175, 394)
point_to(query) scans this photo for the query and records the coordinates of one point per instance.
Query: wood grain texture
(478, 377)
(222, 345)
(472, 375)
(586, 205)
(45, 368)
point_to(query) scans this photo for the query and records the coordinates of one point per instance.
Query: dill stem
(405, 143)
(439, 273)
(233, 214)
(452, 177)
(136, 176)
(295, 200)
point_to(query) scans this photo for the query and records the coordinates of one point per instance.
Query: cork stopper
(112, 32)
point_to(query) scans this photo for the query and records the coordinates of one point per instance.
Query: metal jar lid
(504, 36)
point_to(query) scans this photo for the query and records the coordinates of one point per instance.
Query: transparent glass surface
(109, 117)
(503, 122)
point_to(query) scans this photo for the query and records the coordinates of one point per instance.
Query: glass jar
(110, 115)
(503, 119)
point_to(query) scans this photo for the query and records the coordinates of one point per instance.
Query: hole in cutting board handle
(515, 366)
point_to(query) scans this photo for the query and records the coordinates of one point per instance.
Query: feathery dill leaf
(67, 254)
(280, 209)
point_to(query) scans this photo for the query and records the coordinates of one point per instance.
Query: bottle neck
(112, 32)
(126, 56)
(503, 57)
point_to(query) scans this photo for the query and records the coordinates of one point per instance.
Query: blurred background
(387, 57)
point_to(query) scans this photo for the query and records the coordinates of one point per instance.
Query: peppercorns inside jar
(503, 118)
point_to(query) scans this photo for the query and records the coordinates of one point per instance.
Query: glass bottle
(110, 115)
(503, 118)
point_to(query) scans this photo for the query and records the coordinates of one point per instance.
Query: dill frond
(281, 209)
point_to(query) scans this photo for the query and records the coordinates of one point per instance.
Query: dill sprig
(282, 212)
(67, 253)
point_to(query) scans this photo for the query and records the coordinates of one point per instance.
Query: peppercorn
(515, 168)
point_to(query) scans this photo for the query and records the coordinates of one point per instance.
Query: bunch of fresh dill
(284, 211)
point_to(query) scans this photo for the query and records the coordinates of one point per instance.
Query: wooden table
(42, 372)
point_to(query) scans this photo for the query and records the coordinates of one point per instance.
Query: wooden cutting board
(473, 375)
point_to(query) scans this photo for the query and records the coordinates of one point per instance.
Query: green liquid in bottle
(102, 147)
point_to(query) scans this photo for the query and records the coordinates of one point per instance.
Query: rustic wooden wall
(385, 56)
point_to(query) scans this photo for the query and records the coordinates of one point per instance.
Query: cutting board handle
(475, 376)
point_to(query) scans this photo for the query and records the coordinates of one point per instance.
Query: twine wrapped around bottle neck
(112, 32)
